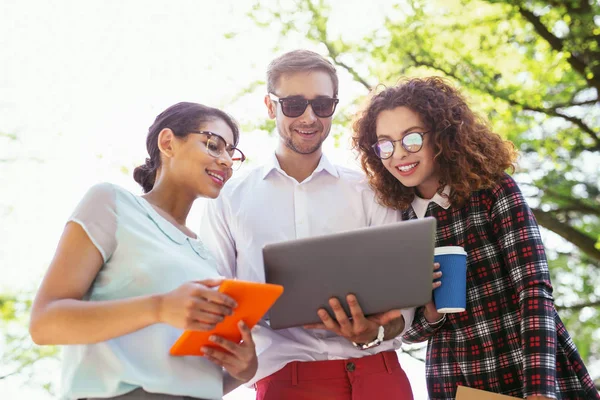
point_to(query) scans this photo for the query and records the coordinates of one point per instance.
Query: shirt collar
(165, 226)
(170, 231)
(419, 204)
(324, 165)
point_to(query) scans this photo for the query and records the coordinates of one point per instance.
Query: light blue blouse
(143, 254)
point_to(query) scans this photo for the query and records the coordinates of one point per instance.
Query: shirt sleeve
(519, 240)
(421, 330)
(409, 316)
(97, 215)
(217, 237)
(376, 213)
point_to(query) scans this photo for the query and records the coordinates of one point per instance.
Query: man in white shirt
(299, 193)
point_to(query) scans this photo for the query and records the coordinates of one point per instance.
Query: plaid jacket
(510, 339)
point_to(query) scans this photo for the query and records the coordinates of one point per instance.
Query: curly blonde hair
(468, 155)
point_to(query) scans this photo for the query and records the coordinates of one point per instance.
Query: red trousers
(379, 376)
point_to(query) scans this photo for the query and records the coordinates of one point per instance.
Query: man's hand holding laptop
(359, 328)
(366, 329)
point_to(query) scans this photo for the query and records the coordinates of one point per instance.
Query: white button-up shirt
(268, 206)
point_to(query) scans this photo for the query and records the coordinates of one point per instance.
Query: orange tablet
(253, 299)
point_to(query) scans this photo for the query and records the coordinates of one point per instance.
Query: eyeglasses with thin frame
(412, 142)
(216, 145)
(293, 107)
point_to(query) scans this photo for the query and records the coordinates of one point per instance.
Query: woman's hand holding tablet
(253, 299)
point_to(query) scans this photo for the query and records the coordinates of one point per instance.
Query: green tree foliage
(533, 68)
(18, 354)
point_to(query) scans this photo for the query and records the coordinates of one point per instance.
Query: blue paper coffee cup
(451, 297)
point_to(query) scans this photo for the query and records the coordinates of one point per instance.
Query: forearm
(539, 341)
(69, 321)
(421, 330)
(394, 328)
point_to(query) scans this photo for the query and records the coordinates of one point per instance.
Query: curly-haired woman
(427, 154)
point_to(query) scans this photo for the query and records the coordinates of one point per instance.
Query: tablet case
(253, 299)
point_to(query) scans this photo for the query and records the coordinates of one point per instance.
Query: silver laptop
(386, 267)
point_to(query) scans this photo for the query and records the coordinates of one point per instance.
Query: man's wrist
(375, 342)
(394, 328)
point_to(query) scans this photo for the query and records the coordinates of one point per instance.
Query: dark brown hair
(181, 118)
(299, 61)
(468, 155)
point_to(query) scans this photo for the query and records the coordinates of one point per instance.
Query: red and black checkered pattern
(510, 339)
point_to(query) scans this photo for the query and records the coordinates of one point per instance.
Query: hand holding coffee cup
(430, 312)
(451, 296)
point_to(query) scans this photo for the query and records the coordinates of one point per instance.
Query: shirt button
(350, 367)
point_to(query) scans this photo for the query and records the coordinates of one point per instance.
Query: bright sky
(81, 81)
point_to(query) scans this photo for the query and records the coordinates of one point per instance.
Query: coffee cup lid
(450, 250)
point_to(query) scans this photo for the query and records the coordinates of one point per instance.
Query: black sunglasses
(216, 145)
(293, 107)
(412, 142)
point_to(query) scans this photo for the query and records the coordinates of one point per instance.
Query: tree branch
(554, 113)
(577, 307)
(576, 209)
(9, 375)
(575, 104)
(585, 243)
(575, 203)
(348, 68)
(558, 45)
(579, 123)
(333, 53)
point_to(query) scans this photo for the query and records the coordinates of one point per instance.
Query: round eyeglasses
(413, 142)
(216, 145)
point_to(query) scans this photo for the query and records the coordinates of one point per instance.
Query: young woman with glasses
(128, 275)
(427, 154)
